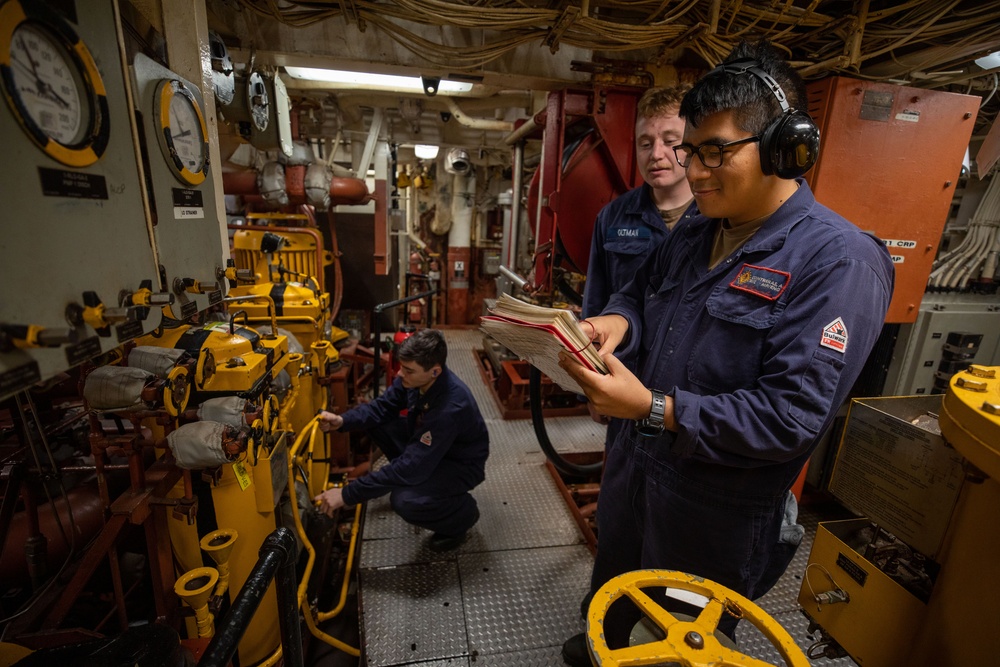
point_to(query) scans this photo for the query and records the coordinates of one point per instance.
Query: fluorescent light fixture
(425, 151)
(986, 62)
(370, 80)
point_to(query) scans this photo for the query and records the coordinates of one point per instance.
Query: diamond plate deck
(412, 613)
(525, 599)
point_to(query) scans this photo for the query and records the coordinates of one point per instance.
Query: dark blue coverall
(758, 354)
(437, 453)
(626, 231)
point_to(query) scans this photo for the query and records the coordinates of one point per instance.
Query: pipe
(517, 185)
(522, 132)
(312, 428)
(342, 190)
(276, 560)
(476, 123)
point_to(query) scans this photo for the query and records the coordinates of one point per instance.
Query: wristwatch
(652, 425)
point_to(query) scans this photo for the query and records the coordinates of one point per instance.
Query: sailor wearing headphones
(751, 323)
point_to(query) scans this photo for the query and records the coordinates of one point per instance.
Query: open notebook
(537, 334)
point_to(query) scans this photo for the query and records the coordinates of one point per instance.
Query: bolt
(694, 640)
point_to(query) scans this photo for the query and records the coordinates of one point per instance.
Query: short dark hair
(658, 101)
(753, 105)
(426, 347)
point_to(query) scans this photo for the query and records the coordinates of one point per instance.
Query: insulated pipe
(342, 190)
(463, 200)
(476, 123)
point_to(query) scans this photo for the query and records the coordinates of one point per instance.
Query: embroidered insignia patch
(835, 336)
(426, 438)
(762, 281)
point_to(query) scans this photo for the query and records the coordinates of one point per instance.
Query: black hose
(538, 421)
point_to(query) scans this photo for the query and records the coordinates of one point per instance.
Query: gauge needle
(39, 84)
(53, 94)
(181, 134)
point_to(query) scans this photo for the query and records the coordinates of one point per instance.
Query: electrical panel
(187, 227)
(78, 264)
(889, 162)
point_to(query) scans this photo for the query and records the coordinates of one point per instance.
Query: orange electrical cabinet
(889, 160)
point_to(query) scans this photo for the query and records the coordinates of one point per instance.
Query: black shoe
(575, 652)
(440, 542)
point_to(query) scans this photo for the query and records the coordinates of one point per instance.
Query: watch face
(52, 84)
(181, 131)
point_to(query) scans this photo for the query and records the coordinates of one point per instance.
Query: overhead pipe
(342, 190)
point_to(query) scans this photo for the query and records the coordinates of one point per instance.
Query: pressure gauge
(181, 130)
(52, 85)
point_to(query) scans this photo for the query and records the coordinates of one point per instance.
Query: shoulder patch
(762, 281)
(426, 438)
(835, 336)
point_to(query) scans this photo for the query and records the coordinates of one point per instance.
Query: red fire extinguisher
(404, 332)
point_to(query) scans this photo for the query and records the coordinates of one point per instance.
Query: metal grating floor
(510, 595)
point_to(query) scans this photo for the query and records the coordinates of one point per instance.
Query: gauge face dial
(52, 84)
(48, 84)
(181, 130)
(185, 130)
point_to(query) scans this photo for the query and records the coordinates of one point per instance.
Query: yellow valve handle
(689, 643)
(271, 410)
(256, 441)
(177, 391)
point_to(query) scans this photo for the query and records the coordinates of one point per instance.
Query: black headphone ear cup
(789, 146)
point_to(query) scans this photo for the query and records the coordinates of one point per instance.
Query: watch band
(652, 425)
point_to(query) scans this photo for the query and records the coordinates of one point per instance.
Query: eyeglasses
(709, 154)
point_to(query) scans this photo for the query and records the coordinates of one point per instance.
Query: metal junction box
(889, 162)
(893, 468)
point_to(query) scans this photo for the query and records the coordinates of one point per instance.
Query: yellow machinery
(691, 643)
(915, 582)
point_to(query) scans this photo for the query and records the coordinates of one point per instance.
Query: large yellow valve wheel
(689, 643)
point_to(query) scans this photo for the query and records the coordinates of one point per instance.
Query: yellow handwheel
(689, 643)
(205, 368)
(177, 391)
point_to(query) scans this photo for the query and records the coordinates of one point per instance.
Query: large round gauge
(52, 84)
(181, 130)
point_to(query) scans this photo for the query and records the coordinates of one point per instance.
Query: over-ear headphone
(790, 144)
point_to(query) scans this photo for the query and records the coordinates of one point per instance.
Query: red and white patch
(835, 336)
(426, 438)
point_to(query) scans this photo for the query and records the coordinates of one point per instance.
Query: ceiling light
(989, 61)
(425, 151)
(370, 80)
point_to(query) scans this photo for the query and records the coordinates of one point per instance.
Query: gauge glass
(49, 84)
(185, 131)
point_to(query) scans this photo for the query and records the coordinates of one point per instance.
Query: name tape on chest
(628, 233)
(761, 281)
(835, 336)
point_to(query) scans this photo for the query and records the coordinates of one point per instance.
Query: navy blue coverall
(626, 231)
(437, 453)
(758, 354)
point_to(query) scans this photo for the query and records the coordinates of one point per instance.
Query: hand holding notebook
(537, 334)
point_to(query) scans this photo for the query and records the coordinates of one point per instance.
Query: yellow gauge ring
(177, 392)
(168, 88)
(93, 144)
(689, 643)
